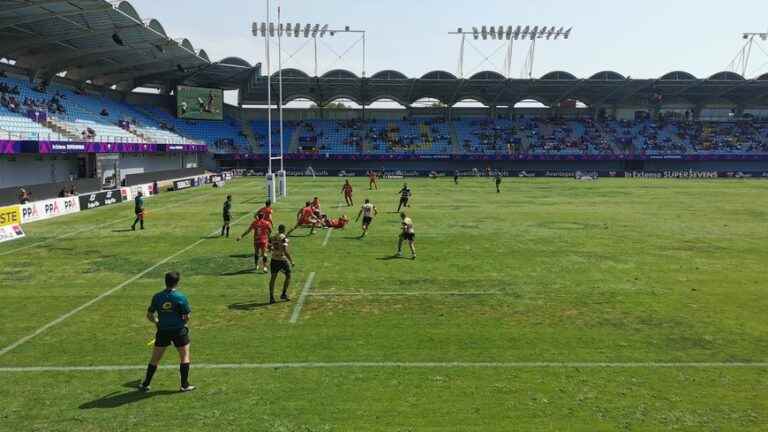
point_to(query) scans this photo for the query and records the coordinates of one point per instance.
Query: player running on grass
(138, 209)
(281, 262)
(266, 211)
(373, 180)
(169, 312)
(407, 234)
(226, 214)
(405, 195)
(261, 230)
(456, 177)
(367, 211)
(497, 179)
(347, 191)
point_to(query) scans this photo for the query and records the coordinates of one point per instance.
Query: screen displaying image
(199, 103)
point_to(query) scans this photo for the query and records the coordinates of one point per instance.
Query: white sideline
(106, 294)
(114, 222)
(408, 365)
(404, 293)
(302, 298)
(327, 237)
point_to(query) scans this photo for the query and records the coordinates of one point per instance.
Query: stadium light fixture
(307, 29)
(323, 30)
(288, 29)
(510, 34)
(315, 30)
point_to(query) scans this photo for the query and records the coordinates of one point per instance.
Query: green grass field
(618, 305)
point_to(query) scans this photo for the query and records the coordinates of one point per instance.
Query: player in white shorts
(367, 211)
(407, 234)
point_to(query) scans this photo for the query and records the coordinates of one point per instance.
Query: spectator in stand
(104, 112)
(24, 196)
(62, 192)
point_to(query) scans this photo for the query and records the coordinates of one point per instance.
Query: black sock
(222, 230)
(150, 373)
(227, 231)
(184, 372)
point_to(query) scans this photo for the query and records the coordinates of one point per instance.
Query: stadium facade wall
(35, 169)
(158, 176)
(10, 195)
(130, 164)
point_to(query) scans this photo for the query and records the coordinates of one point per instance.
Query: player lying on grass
(347, 191)
(281, 263)
(407, 234)
(169, 312)
(261, 231)
(339, 223)
(305, 218)
(367, 211)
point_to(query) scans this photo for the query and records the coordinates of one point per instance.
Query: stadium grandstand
(84, 94)
(591, 248)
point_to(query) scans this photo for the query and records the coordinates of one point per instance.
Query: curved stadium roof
(108, 44)
(606, 88)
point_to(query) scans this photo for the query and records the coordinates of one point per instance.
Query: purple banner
(47, 147)
(487, 157)
(9, 147)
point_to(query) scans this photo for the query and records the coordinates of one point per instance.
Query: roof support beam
(100, 69)
(19, 46)
(17, 21)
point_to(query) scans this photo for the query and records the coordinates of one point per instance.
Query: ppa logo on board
(93, 202)
(109, 199)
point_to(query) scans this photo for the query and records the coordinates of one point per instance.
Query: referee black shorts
(179, 337)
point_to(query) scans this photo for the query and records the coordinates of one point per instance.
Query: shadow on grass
(248, 306)
(300, 236)
(242, 272)
(390, 258)
(122, 230)
(242, 256)
(118, 399)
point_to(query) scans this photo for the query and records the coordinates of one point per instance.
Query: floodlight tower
(510, 34)
(740, 63)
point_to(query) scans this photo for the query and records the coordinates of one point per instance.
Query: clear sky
(639, 38)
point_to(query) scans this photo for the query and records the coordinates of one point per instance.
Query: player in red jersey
(347, 191)
(306, 218)
(266, 211)
(373, 180)
(315, 204)
(262, 229)
(339, 223)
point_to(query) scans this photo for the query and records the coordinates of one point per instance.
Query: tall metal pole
(269, 92)
(748, 55)
(280, 79)
(363, 54)
(315, 38)
(461, 55)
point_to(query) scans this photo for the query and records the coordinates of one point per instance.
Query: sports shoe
(399, 254)
(188, 388)
(142, 388)
(413, 257)
(272, 300)
(284, 297)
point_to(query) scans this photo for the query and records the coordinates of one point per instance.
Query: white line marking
(327, 237)
(302, 298)
(105, 294)
(404, 293)
(408, 365)
(114, 222)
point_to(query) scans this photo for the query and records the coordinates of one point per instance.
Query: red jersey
(266, 213)
(337, 223)
(307, 213)
(261, 230)
(347, 189)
